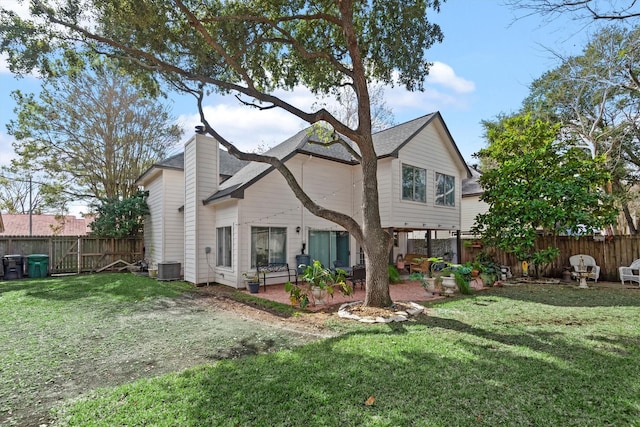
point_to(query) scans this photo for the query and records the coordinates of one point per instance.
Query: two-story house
(219, 216)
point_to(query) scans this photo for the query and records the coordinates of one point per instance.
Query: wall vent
(169, 270)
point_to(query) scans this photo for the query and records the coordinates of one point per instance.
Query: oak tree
(250, 49)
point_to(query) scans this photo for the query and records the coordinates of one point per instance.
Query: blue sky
(483, 68)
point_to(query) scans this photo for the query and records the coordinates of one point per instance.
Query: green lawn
(519, 356)
(63, 337)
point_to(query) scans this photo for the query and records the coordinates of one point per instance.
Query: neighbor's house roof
(387, 143)
(45, 225)
(471, 186)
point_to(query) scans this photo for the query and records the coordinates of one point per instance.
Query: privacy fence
(609, 253)
(82, 254)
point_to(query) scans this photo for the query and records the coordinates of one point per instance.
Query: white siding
(153, 236)
(173, 224)
(271, 203)
(471, 206)
(164, 227)
(201, 180)
(431, 151)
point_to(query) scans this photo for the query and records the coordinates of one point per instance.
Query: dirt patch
(156, 337)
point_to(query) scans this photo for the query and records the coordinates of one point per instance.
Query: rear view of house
(219, 217)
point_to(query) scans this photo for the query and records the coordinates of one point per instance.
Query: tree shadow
(425, 382)
(568, 295)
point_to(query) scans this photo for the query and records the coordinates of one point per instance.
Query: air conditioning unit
(169, 270)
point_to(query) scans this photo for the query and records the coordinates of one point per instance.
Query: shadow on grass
(568, 295)
(434, 372)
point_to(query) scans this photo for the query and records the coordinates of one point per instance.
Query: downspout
(303, 229)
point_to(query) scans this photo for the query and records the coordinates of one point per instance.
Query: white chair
(631, 273)
(587, 262)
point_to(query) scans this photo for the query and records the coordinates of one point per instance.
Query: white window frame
(414, 194)
(445, 194)
(224, 241)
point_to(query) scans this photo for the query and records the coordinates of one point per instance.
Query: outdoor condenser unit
(169, 270)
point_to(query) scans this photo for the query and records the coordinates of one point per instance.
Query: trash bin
(302, 259)
(13, 267)
(38, 265)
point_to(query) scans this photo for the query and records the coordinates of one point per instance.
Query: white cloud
(444, 75)
(244, 126)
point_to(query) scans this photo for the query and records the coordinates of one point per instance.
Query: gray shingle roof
(389, 141)
(386, 143)
(229, 165)
(471, 186)
(242, 174)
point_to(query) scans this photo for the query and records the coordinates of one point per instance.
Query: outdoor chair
(358, 276)
(337, 264)
(631, 273)
(588, 262)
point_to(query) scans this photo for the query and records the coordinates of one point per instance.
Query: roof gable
(386, 143)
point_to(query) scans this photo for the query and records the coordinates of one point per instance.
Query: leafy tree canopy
(596, 97)
(120, 217)
(251, 48)
(538, 185)
(90, 134)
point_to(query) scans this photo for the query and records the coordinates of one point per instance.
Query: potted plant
(318, 282)
(489, 268)
(251, 281)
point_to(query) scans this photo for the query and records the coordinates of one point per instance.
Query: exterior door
(329, 246)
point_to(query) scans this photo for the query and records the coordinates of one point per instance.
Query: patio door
(328, 246)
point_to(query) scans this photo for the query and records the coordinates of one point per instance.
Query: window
(268, 245)
(445, 190)
(223, 257)
(414, 184)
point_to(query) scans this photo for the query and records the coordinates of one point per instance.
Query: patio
(403, 291)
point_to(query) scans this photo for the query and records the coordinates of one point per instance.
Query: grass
(517, 356)
(62, 337)
(44, 320)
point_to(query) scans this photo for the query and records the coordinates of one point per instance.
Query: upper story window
(414, 184)
(445, 190)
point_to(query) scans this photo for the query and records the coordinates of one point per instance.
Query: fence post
(80, 255)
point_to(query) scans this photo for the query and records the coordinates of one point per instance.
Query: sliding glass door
(329, 246)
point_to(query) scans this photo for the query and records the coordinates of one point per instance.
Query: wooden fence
(609, 254)
(71, 254)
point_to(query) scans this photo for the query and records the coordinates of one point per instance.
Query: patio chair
(358, 276)
(337, 264)
(631, 273)
(421, 266)
(588, 262)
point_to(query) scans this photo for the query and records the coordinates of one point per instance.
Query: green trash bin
(38, 265)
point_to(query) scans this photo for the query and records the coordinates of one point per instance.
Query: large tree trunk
(377, 242)
(377, 262)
